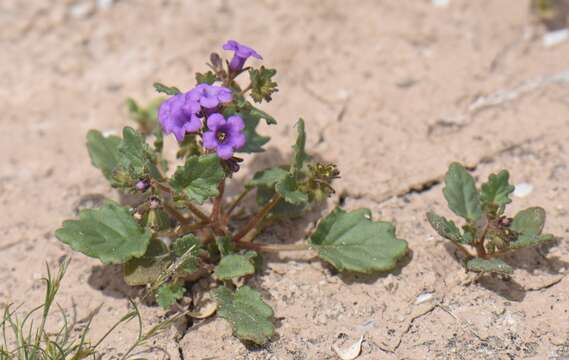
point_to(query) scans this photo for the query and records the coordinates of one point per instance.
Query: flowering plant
(185, 226)
(487, 231)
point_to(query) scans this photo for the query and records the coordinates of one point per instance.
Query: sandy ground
(391, 90)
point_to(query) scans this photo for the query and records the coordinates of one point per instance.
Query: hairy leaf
(249, 316)
(299, 152)
(267, 178)
(135, 155)
(255, 141)
(146, 269)
(168, 90)
(260, 114)
(445, 228)
(234, 266)
(262, 83)
(168, 294)
(353, 242)
(525, 240)
(288, 189)
(283, 209)
(461, 194)
(496, 191)
(109, 233)
(494, 265)
(104, 151)
(207, 78)
(199, 177)
(529, 221)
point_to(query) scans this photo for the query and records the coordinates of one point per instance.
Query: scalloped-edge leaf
(249, 316)
(234, 266)
(168, 294)
(496, 191)
(299, 155)
(445, 228)
(489, 266)
(108, 233)
(351, 241)
(529, 222)
(168, 90)
(461, 194)
(199, 177)
(288, 189)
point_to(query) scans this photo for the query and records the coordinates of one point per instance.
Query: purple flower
(224, 135)
(210, 96)
(142, 185)
(240, 55)
(178, 115)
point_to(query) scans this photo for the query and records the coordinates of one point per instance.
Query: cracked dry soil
(391, 91)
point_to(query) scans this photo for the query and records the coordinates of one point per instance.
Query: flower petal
(230, 45)
(209, 101)
(225, 151)
(225, 95)
(238, 140)
(236, 123)
(193, 125)
(209, 140)
(214, 121)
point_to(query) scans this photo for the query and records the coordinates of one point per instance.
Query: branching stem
(258, 218)
(274, 247)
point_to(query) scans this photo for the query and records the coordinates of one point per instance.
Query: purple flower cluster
(240, 54)
(182, 113)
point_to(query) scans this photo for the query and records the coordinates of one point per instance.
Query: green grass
(22, 339)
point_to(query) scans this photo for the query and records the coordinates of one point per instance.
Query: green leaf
(496, 191)
(461, 194)
(445, 228)
(299, 152)
(146, 269)
(234, 266)
(352, 242)
(167, 295)
(199, 177)
(255, 141)
(109, 233)
(524, 240)
(192, 244)
(268, 178)
(494, 265)
(104, 151)
(224, 245)
(135, 155)
(249, 316)
(207, 78)
(260, 114)
(262, 84)
(185, 243)
(529, 221)
(168, 90)
(288, 188)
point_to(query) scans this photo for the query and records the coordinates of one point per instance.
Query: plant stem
(258, 218)
(197, 211)
(274, 247)
(217, 208)
(246, 89)
(172, 211)
(480, 250)
(236, 202)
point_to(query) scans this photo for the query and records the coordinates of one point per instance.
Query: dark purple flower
(240, 55)
(223, 135)
(142, 185)
(178, 115)
(210, 96)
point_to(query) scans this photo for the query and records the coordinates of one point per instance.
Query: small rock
(440, 3)
(351, 352)
(423, 297)
(556, 37)
(523, 190)
(82, 9)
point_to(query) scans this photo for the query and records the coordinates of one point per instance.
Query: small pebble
(555, 37)
(523, 190)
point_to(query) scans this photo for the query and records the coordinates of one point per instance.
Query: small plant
(487, 231)
(186, 227)
(22, 339)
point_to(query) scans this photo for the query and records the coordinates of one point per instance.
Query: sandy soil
(390, 90)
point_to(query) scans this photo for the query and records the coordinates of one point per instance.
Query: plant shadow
(109, 280)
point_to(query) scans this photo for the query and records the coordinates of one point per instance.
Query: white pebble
(523, 190)
(555, 37)
(423, 297)
(440, 3)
